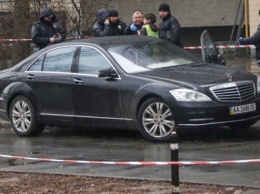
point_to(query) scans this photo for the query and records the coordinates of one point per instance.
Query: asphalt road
(109, 145)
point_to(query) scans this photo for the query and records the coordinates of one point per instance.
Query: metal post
(175, 168)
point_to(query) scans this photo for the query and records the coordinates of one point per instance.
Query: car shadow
(92, 133)
(212, 134)
(220, 134)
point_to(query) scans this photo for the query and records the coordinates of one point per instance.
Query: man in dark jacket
(255, 40)
(46, 31)
(116, 24)
(136, 25)
(169, 28)
(102, 25)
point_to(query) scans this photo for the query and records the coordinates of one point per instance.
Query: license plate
(242, 109)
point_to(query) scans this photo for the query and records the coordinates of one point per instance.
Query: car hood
(199, 74)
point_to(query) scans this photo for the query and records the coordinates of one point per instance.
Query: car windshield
(145, 57)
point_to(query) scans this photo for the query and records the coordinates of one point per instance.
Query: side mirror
(108, 72)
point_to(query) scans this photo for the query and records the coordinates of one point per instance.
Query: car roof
(114, 40)
(97, 41)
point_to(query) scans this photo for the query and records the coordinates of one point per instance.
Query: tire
(155, 120)
(242, 124)
(23, 118)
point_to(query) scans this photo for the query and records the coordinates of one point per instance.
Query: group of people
(46, 31)
(109, 24)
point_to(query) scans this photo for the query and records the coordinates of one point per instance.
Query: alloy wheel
(21, 116)
(158, 120)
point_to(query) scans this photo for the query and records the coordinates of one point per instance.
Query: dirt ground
(35, 183)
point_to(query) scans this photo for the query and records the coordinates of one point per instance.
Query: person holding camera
(46, 31)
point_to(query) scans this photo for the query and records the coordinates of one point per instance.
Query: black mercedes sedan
(132, 82)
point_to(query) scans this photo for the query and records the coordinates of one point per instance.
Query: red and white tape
(29, 39)
(144, 163)
(221, 46)
(15, 40)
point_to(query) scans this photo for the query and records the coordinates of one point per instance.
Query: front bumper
(212, 113)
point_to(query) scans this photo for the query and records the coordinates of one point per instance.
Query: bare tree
(5, 46)
(82, 15)
(21, 29)
(77, 16)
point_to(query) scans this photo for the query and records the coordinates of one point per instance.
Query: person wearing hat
(255, 40)
(136, 25)
(169, 28)
(116, 24)
(46, 31)
(102, 25)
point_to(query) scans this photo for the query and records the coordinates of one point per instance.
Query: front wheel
(23, 117)
(155, 120)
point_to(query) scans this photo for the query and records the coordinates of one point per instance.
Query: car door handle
(30, 76)
(78, 81)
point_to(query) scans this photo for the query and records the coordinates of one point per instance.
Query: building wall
(254, 7)
(199, 14)
(190, 13)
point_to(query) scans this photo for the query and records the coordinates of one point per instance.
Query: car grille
(234, 91)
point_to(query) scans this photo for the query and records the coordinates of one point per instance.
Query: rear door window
(57, 60)
(91, 61)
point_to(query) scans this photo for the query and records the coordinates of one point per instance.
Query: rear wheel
(23, 117)
(155, 120)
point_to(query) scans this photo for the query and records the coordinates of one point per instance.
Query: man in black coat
(169, 28)
(255, 40)
(102, 25)
(116, 24)
(46, 31)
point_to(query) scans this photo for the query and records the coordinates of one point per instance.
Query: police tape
(16, 40)
(29, 39)
(220, 47)
(140, 163)
(186, 47)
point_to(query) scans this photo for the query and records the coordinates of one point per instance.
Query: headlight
(189, 95)
(258, 84)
